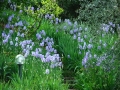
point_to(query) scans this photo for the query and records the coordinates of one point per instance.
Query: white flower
(47, 71)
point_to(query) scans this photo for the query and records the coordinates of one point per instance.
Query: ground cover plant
(51, 45)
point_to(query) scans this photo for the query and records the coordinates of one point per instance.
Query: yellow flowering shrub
(50, 7)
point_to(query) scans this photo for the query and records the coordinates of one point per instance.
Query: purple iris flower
(80, 46)
(85, 36)
(65, 27)
(7, 26)
(42, 44)
(4, 35)
(74, 37)
(24, 28)
(80, 28)
(43, 33)
(27, 53)
(75, 30)
(59, 20)
(10, 31)
(99, 47)
(104, 44)
(10, 17)
(5, 41)
(38, 36)
(86, 29)
(47, 54)
(18, 33)
(55, 51)
(28, 41)
(85, 59)
(20, 11)
(51, 49)
(75, 23)
(71, 32)
(46, 16)
(20, 23)
(22, 35)
(89, 46)
(79, 39)
(32, 8)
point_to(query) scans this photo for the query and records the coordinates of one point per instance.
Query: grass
(34, 75)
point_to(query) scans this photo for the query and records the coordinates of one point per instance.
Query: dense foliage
(91, 11)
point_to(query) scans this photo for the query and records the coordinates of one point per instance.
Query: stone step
(69, 78)
(71, 86)
(68, 74)
(70, 81)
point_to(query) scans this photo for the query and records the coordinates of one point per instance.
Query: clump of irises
(90, 46)
(41, 47)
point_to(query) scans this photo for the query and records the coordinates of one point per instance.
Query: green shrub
(93, 11)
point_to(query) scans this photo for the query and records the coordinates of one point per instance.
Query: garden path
(69, 78)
